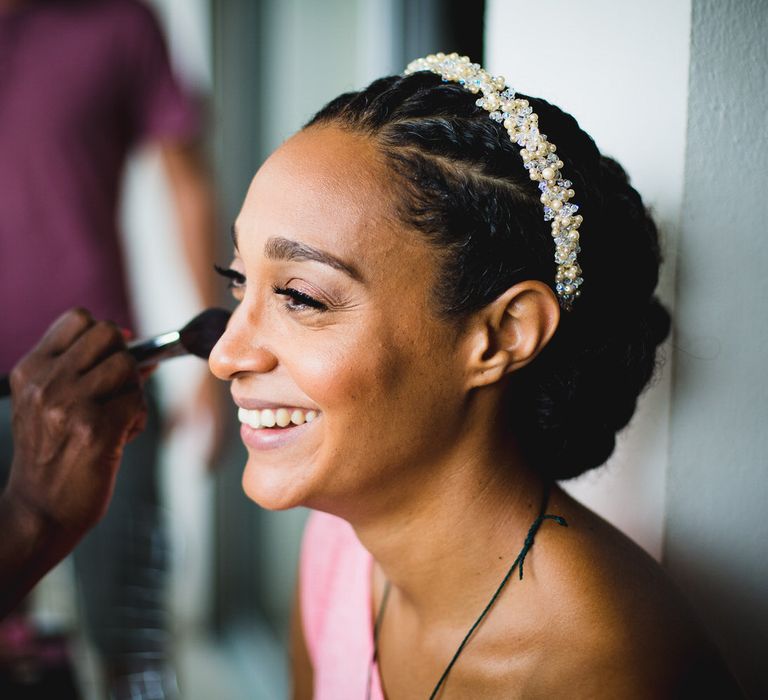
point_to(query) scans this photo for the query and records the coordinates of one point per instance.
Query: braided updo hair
(464, 188)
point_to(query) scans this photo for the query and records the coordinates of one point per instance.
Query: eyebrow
(279, 248)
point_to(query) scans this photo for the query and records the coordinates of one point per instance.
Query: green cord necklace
(518, 563)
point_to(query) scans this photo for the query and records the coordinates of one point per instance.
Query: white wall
(623, 74)
(717, 491)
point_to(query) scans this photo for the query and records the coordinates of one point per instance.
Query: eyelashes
(233, 277)
(296, 300)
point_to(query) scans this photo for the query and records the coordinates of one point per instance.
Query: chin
(273, 487)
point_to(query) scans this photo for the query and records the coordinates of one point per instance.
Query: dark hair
(464, 187)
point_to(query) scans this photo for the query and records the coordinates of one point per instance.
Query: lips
(272, 428)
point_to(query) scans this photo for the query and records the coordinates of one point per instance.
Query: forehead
(323, 186)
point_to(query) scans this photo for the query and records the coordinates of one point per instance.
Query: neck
(447, 547)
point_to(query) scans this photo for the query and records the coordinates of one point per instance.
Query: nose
(239, 351)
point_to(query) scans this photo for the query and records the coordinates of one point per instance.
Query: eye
(298, 301)
(235, 279)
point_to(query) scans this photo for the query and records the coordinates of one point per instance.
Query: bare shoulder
(617, 626)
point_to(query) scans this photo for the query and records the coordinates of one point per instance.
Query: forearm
(29, 548)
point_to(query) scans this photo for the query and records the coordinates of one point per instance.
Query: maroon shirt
(81, 81)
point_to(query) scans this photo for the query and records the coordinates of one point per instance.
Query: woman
(408, 358)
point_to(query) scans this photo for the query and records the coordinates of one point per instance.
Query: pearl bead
(535, 150)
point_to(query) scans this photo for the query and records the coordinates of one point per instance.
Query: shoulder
(130, 26)
(618, 624)
(136, 13)
(133, 15)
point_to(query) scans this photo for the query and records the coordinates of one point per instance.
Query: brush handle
(145, 352)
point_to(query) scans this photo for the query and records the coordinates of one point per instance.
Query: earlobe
(511, 331)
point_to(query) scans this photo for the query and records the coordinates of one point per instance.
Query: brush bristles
(203, 331)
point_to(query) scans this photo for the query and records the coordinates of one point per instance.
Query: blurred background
(673, 90)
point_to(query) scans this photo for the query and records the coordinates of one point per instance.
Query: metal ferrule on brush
(161, 347)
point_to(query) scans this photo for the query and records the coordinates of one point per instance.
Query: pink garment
(335, 584)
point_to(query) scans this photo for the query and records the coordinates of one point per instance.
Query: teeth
(252, 418)
(268, 417)
(282, 417)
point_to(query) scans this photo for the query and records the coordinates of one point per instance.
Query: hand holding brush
(196, 338)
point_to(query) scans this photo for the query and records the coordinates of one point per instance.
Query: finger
(146, 371)
(64, 331)
(125, 415)
(139, 424)
(115, 374)
(97, 343)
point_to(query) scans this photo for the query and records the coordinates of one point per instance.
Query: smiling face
(335, 323)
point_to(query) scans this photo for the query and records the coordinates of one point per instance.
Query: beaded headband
(539, 158)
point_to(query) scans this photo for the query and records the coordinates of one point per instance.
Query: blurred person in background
(82, 83)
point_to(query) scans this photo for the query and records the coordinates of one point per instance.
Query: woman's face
(336, 319)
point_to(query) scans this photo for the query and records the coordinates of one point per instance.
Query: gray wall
(717, 531)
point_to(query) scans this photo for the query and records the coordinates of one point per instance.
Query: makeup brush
(196, 338)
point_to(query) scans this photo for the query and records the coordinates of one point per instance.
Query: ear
(509, 332)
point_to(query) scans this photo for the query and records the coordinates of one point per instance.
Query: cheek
(347, 377)
(381, 390)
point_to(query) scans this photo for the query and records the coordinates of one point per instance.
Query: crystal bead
(537, 153)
